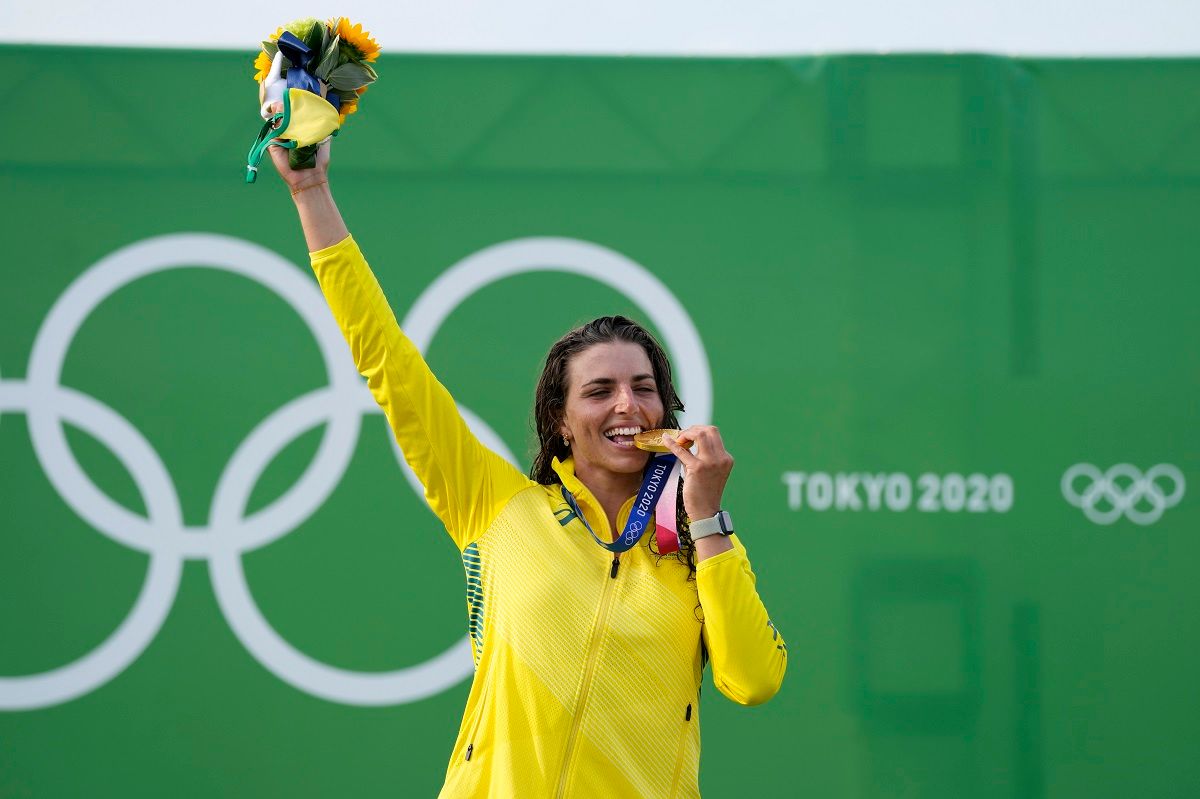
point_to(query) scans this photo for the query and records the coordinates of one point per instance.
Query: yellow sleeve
(748, 655)
(466, 483)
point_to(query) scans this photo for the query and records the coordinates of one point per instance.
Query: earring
(566, 441)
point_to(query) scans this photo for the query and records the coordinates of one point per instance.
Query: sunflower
(262, 64)
(355, 39)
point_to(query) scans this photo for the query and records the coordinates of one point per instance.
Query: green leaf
(307, 30)
(328, 60)
(320, 39)
(351, 76)
(270, 48)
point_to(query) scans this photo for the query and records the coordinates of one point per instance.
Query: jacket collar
(565, 469)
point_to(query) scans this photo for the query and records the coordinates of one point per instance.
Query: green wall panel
(926, 287)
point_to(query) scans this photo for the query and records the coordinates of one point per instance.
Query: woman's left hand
(708, 468)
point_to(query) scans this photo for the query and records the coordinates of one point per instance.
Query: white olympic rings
(230, 533)
(1121, 491)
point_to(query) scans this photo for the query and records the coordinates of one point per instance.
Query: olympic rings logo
(340, 406)
(1123, 490)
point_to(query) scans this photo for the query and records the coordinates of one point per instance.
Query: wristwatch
(720, 524)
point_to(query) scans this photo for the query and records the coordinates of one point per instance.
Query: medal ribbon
(657, 477)
(666, 523)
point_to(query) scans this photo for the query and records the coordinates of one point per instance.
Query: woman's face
(611, 394)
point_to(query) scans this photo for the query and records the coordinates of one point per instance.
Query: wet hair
(550, 398)
(550, 402)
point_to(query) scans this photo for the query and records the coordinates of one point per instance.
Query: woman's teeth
(622, 435)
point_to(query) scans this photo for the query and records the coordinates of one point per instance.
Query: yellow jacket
(586, 684)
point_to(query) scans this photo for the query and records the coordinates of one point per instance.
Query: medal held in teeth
(652, 440)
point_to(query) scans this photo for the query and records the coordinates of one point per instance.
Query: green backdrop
(928, 289)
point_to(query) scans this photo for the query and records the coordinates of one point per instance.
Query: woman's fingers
(298, 178)
(709, 443)
(707, 440)
(680, 450)
(710, 455)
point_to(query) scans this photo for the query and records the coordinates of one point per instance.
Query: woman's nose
(625, 399)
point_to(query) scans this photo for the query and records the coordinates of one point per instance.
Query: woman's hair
(550, 398)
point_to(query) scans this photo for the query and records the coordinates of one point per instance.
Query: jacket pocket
(684, 732)
(476, 724)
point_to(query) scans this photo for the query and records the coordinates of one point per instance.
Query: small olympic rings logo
(230, 531)
(1123, 490)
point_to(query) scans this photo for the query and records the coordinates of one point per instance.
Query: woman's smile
(623, 436)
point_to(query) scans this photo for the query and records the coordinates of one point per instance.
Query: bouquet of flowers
(311, 74)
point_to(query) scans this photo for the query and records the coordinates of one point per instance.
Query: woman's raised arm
(466, 483)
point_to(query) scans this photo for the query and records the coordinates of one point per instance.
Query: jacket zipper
(588, 669)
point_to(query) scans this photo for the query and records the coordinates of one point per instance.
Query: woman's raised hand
(708, 468)
(298, 180)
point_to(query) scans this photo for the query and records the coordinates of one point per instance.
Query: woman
(588, 662)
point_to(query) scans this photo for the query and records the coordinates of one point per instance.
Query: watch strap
(721, 524)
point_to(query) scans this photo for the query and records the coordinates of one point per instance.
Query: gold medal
(651, 440)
